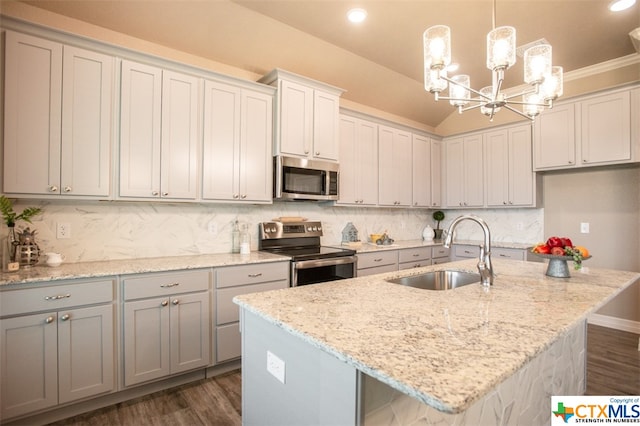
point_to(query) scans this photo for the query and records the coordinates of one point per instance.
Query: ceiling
(377, 62)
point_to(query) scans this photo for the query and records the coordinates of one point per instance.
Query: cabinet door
(436, 173)
(296, 119)
(496, 148)
(85, 352)
(179, 137)
(349, 161)
(28, 364)
(256, 140)
(454, 172)
(421, 169)
(86, 123)
(32, 121)
(473, 171)
(325, 125)
(358, 162)
(394, 167)
(146, 340)
(140, 115)
(521, 175)
(606, 128)
(554, 138)
(190, 332)
(221, 150)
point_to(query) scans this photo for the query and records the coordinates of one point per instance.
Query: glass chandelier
(545, 80)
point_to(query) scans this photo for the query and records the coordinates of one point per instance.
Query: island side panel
(523, 398)
(318, 388)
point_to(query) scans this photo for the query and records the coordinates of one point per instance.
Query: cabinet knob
(175, 301)
(317, 152)
(53, 188)
(236, 196)
(306, 151)
(243, 196)
(154, 193)
(164, 303)
(65, 317)
(49, 320)
(164, 194)
(504, 203)
(67, 189)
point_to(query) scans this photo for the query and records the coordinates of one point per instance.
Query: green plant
(438, 216)
(11, 217)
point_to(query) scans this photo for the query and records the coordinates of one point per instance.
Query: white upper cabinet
(436, 173)
(58, 119)
(510, 180)
(358, 162)
(158, 133)
(421, 169)
(237, 162)
(307, 123)
(592, 131)
(394, 160)
(606, 129)
(464, 171)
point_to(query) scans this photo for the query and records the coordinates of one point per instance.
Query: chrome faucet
(484, 263)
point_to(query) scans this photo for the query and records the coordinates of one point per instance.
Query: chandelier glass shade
(544, 80)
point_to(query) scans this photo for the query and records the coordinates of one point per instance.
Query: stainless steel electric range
(311, 262)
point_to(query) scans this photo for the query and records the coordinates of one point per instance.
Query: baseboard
(616, 323)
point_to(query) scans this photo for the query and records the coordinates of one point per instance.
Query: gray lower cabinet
(166, 324)
(377, 262)
(414, 257)
(233, 281)
(440, 254)
(463, 251)
(54, 348)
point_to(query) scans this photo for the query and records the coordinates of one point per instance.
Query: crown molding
(610, 65)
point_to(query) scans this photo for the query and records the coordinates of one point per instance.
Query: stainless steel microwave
(302, 179)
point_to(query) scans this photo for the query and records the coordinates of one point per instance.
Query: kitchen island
(365, 351)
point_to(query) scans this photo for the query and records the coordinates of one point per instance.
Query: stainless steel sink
(439, 280)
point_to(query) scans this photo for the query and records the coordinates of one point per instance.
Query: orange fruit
(583, 251)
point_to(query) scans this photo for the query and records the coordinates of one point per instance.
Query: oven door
(315, 271)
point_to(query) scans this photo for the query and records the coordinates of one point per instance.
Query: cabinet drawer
(414, 254)
(466, 251)
(440, 251)
(61, 296)
(162, 284)
(377, 270)
(505, 253)
(380, 258)
(228, 342)
(416, 264)
(251, 274)
(227, 311)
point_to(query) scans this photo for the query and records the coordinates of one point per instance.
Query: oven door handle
(317, 263)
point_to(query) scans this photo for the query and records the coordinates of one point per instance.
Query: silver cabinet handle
(169, 285)
(67, 189)
(65, 317)
(57, 297)
(416, 254)
(164, 303)
(377, 260)
(175, 301)
(53, 188)
(49, 320)
(259, 274)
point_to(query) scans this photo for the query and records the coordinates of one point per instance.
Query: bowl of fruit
(558, 250)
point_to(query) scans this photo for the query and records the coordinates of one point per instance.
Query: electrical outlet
(519, 226)
(63, 230)
(584, 227)
(212, 227)
(275, 366)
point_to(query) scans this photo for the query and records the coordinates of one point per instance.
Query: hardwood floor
(613, 368)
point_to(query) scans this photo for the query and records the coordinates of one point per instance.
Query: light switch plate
(275, 366)
(584, 227)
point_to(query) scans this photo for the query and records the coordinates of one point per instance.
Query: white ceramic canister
(427, 234)
(54, 259)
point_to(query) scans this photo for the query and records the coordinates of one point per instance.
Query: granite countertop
(40, 273)
(444, 348)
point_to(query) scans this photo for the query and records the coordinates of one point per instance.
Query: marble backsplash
(124, 230)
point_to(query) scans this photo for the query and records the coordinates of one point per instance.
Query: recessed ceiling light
(618, 5)
(358, 15)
